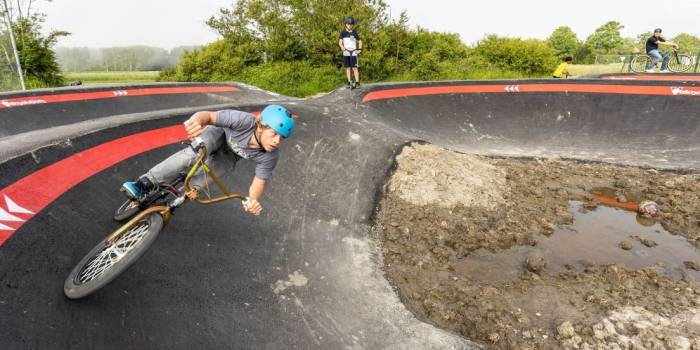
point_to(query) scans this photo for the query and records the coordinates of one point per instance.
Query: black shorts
(350, 61)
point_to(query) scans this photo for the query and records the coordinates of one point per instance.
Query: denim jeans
(656, 55)
(220, 158)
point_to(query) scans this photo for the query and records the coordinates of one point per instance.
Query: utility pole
(14, 45)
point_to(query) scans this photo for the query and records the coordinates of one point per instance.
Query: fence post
(697, 60)
(629, 63)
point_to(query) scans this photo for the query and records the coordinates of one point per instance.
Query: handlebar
(196, 144)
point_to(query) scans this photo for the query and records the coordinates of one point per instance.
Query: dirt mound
(441, 207)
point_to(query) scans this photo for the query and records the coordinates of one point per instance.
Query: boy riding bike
(241, 133)
(652, 48)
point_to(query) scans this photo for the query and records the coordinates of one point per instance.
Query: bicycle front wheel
(104, 263)
(681, 63)
(639, 63)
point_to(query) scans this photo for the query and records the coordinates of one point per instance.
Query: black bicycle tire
(122, 214)
(637, 60)
(675, 61)
(74, 290)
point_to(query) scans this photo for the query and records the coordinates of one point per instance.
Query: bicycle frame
(189, 193)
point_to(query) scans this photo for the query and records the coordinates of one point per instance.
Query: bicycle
(678, 63)
(113, 255)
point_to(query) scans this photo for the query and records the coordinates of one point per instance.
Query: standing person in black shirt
(351, 45)
(653, 50)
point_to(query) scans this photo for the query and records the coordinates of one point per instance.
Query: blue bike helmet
(657, 30)
(279, 119)
(349, 20)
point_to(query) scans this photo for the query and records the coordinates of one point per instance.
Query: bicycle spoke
(681, 63)
(639, 63)
(109, 256)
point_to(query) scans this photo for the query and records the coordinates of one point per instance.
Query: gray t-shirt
(239, 127)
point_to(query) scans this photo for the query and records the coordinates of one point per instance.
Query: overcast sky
(171, 23)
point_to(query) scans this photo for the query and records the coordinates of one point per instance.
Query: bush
(218, 61)
(531, 56)
(304, 60)
(298, 78)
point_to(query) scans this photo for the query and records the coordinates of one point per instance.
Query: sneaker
(137, 190)
(665, 71)
(357, 85)
(350, 85)
(131, 190)
(650, 71)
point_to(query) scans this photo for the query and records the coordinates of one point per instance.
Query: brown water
(594, 237)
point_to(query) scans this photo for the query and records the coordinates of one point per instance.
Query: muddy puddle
(543, 253)
(601, 236)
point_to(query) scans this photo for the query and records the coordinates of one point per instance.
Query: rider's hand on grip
(193, 127)
(252, 206)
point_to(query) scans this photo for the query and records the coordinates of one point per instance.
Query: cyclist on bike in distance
(652, 47)
(247, 136)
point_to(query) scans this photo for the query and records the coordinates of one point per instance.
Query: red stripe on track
(37, 190)
(525, 88)
(79, 96)
(654, 77)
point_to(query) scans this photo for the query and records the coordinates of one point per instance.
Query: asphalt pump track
(308, 272)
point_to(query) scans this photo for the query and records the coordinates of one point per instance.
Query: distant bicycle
(678, 63)
(123, 247)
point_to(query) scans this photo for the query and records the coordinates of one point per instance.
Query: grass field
(111, 77)
(588, 69)
(150, 76)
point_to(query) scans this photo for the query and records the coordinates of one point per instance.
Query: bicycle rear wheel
(639, 63)
(681, 63)
(128, 209)
(104, 263)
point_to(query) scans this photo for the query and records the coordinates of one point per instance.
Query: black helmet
(349, 20)
(657, 30)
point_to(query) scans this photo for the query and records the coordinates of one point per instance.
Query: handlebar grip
(198, 141)
(196, 144)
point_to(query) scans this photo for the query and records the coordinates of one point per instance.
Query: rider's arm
(254, 194)
(257, 188)
(340, 43)
(670, 43)
(205, 117)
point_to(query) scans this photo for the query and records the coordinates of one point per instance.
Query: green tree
(687, 43)
(432, 52)
(74, 59)
(606, 39)
(642, 40)
(295, 29)
(36, 56)
(38, 60)
(564, 42)
(291, 46)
